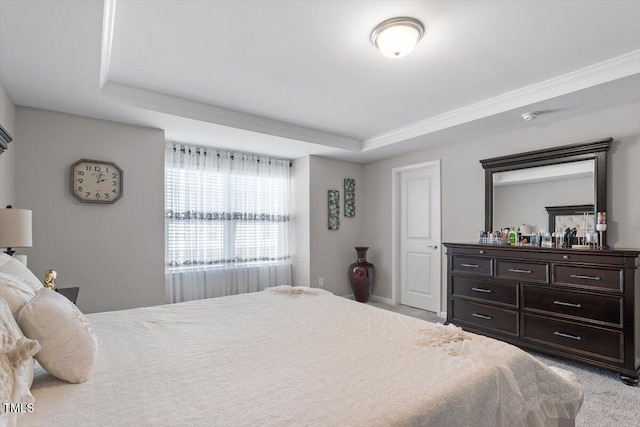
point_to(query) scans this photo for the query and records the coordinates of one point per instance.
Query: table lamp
(15, 230)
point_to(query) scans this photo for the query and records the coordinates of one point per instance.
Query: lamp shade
(15, 228)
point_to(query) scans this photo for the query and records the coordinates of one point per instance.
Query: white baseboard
(376, 298)
(443, 315)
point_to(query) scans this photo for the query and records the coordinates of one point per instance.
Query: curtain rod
(197, 151)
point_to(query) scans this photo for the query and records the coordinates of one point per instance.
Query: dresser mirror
(520, 187)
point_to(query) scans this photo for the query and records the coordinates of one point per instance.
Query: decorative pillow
(17, 283)
(16, 364)
(69, 345)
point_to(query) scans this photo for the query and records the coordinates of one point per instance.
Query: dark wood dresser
(579, 304)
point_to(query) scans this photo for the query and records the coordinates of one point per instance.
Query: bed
(299, 357)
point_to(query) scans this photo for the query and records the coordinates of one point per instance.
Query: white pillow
(69, 345)
(16, 364)
(17, 283)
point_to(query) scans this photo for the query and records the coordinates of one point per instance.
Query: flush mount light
(397, 37)
(527, 117)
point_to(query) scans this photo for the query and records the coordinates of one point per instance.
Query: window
(224, 211)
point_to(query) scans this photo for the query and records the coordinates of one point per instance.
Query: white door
(419, 235)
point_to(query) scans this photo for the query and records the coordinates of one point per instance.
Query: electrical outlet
(321, 282)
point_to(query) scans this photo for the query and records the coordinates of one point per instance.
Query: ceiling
(289, 78)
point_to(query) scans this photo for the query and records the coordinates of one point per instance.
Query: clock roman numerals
(94, 181)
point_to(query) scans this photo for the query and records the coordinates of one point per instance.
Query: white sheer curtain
(226, 223)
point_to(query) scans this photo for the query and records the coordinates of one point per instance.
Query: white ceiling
(292, 78)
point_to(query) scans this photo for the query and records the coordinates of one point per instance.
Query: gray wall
(332, 250)
(320, 252)
(463, 180)
(7, 111)
(114, 253)
(301, 235)
(7, 159)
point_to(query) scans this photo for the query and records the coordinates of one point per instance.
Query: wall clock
(96, 181)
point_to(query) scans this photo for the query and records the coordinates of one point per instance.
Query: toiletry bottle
(558, 237)
(513, 237)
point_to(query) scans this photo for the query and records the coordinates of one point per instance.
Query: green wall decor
(349, 197)
(334, 209)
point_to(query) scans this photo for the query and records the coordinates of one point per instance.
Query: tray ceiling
(295, 78)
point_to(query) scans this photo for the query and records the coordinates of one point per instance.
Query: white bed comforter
(282, 358)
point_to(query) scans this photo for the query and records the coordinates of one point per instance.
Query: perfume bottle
(601, 226)
(559, 237)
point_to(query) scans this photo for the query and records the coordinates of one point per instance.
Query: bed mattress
(299, 358)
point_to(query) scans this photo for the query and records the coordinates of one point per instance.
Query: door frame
(395, 227)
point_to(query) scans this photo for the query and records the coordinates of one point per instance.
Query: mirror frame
(592, 150)
(555, 211)
(5, 139)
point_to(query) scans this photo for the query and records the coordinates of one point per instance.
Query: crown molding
(221, 116)
(555, 172)
(108, 17)
(593, 75)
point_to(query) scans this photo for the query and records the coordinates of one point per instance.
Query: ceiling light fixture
(397, 37)
(527, 117)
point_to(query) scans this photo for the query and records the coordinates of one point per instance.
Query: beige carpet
(608, 402)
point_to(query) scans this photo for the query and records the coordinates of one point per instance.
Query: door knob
(432, 246)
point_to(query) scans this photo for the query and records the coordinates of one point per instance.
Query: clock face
(94, 181)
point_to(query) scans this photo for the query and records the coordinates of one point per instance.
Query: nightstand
(70, 293)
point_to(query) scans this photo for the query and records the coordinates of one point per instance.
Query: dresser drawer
(587, 257)
(601, 278)
(485, 317)
(475, 266)
(579, 305)
(501, 293)
(522, 271)
(574, 337)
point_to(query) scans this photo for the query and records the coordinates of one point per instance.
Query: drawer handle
(482, 316)
(486, 291)
(578, 276)
(573, 337)
(568, 304)
(515, 270)
(470, 265)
